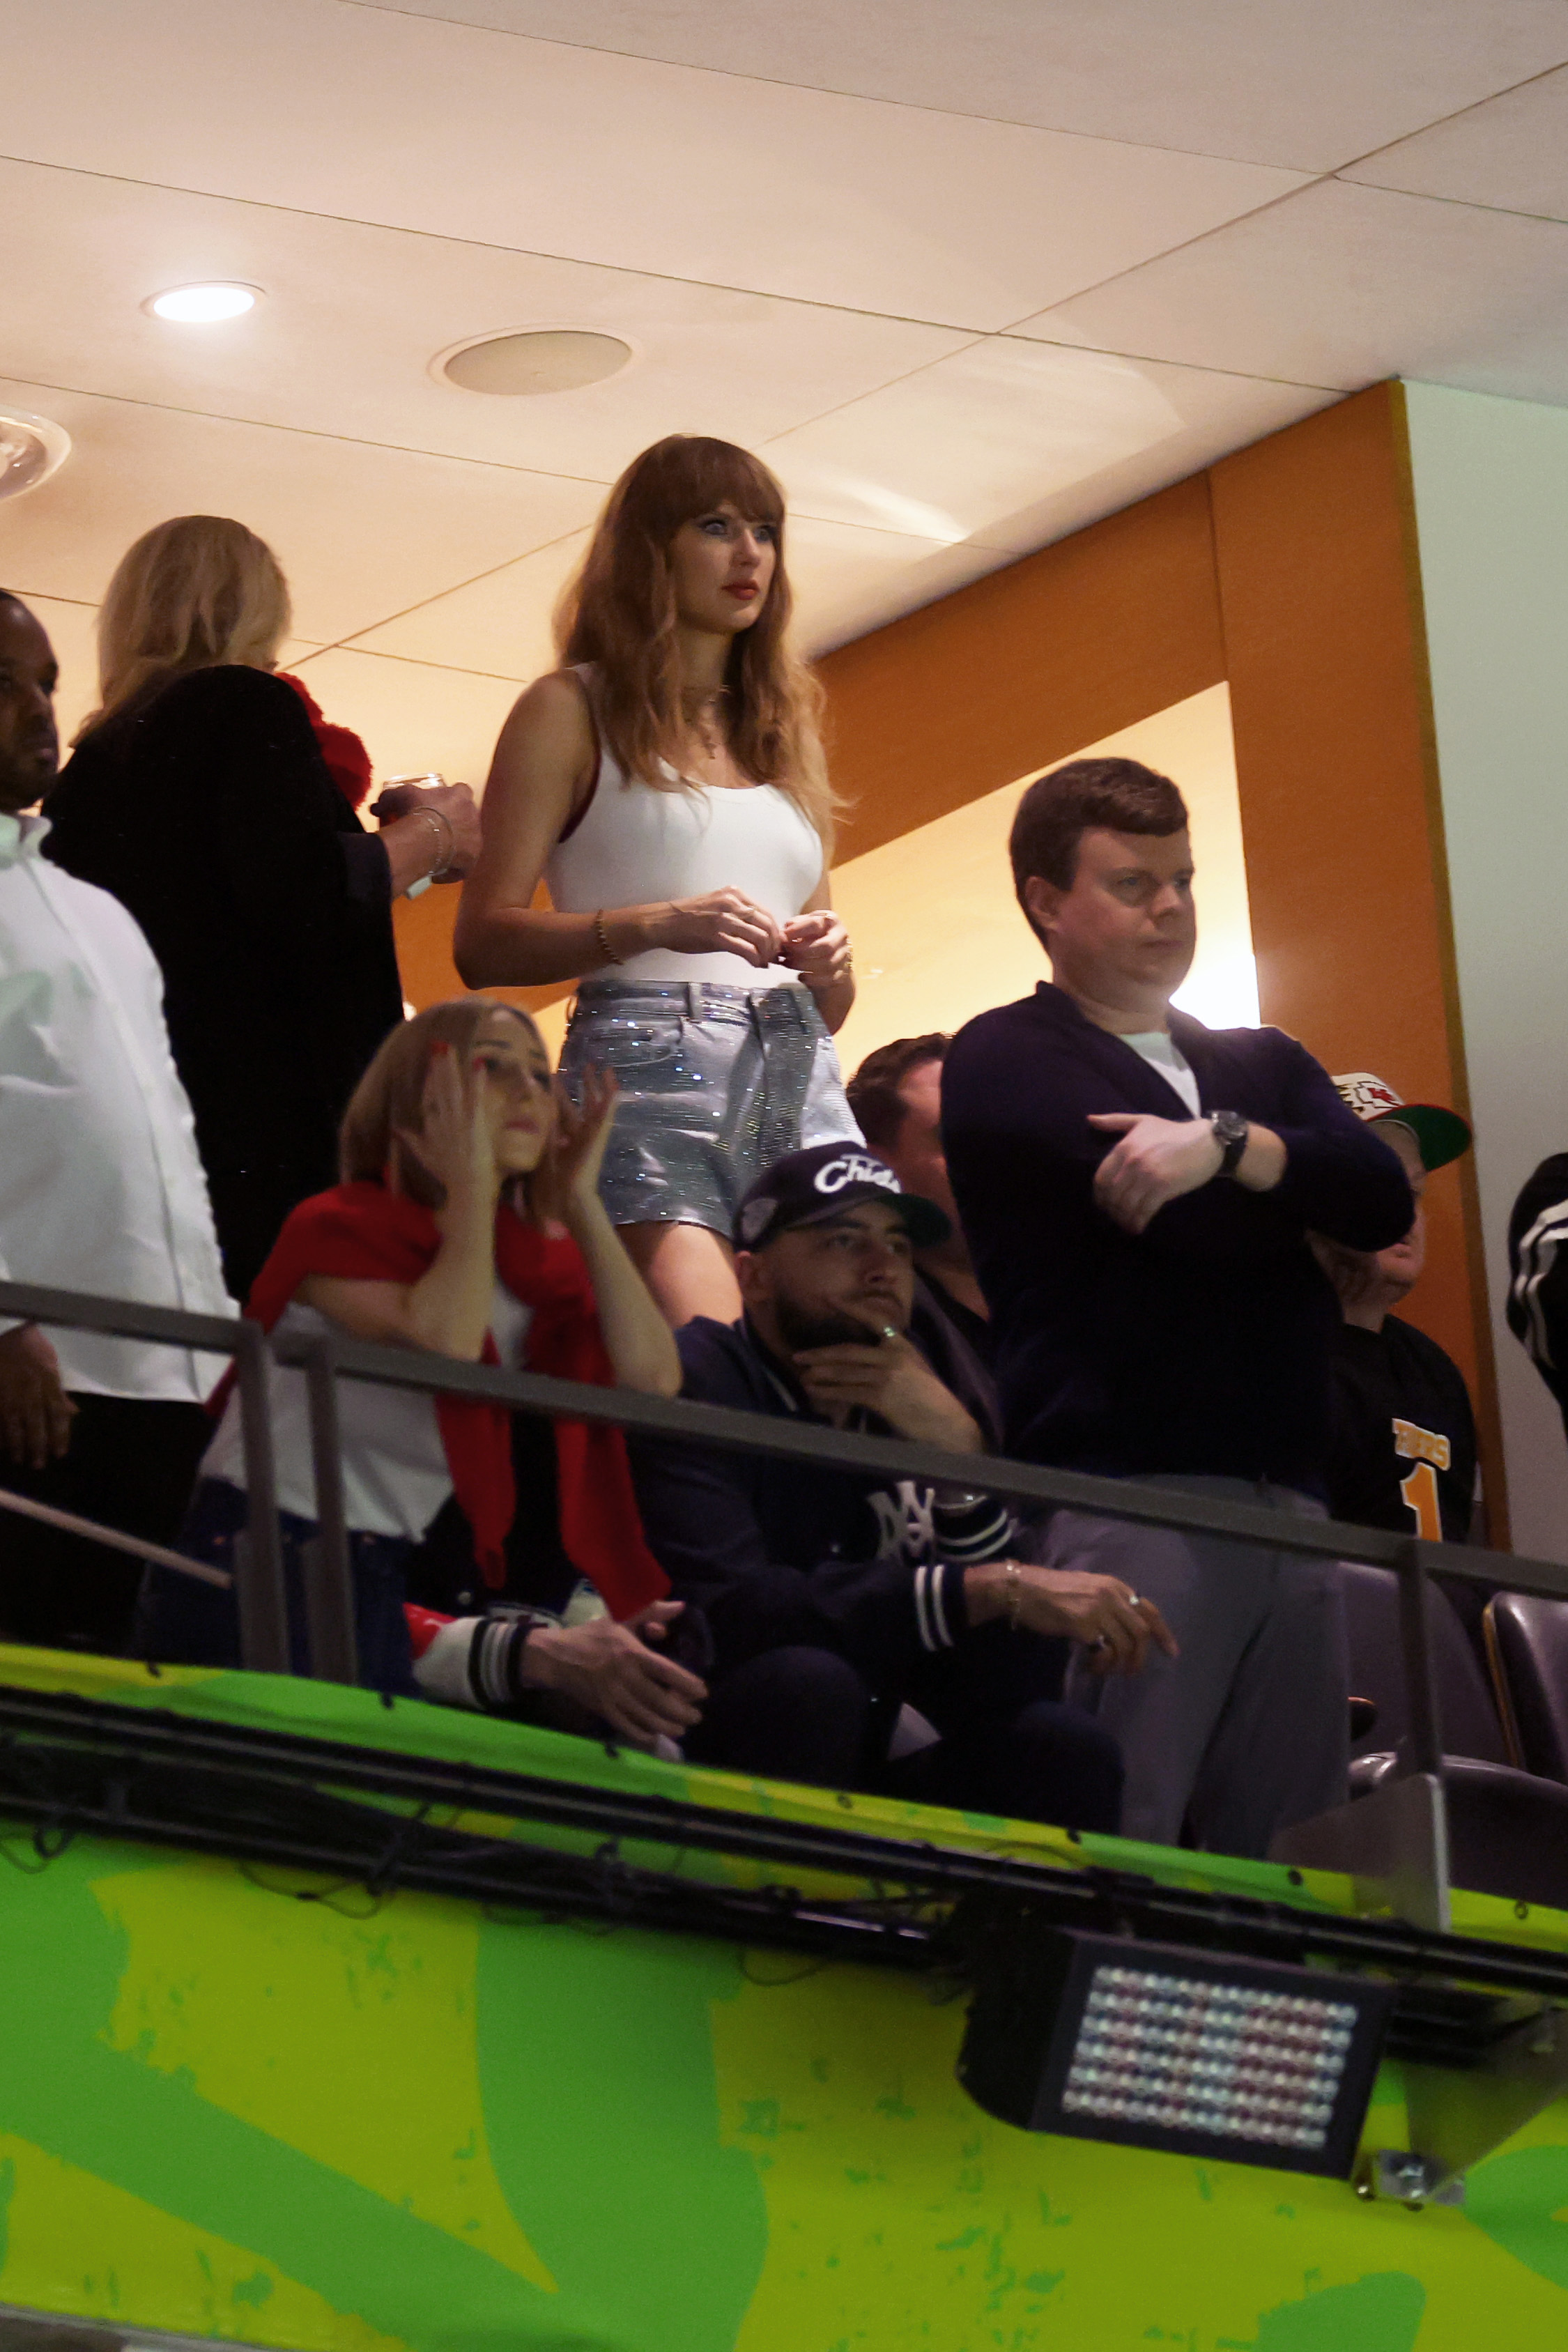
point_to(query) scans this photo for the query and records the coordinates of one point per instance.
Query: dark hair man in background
(834, 1597)
(896, 1097)
(100, 1189)
(1137, 1191)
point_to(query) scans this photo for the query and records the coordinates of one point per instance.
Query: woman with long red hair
(667, 784)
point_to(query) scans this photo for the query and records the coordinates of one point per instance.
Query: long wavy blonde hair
(193, 592)
(619, 613)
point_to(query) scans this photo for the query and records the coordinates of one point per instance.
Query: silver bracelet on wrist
(443, 854)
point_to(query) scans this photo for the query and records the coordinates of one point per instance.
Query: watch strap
(1231, 1132)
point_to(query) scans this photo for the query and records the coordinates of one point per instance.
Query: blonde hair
(619, 613)
(192, 593)
(389, 1100)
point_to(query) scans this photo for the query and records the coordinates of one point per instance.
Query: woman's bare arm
(544, 765)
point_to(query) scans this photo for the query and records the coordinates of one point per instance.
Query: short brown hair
(1059, 809)
(873, 1091)
(391, 1095)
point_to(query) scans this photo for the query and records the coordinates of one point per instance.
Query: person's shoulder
(101, 914)
(228, 692)
(1257, 1042)
(1419, 1347)
(557, 710)
(1001, 1030)
(1543, 1196)
(223, 700)
(705, 1340)
(716, 1361)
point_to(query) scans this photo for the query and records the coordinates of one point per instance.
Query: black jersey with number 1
(1403, 1453)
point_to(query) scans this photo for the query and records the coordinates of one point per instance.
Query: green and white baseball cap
(1440, 1135)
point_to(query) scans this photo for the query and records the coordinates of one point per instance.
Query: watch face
(1230, 1126)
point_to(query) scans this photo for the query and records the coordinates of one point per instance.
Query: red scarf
(339, 747)
(363, 1233)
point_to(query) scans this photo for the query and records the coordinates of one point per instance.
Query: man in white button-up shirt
(100, 1191)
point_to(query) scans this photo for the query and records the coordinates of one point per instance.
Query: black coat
(1202, 1344)
(207, 809)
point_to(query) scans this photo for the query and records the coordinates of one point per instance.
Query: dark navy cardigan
(1202, 1344)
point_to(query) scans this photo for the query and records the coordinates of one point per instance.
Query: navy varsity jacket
(778, 1553)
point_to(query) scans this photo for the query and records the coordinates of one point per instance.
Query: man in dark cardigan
(1137, 1191)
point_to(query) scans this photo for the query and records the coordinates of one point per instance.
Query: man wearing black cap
(1402, 1450)
(833, 1598)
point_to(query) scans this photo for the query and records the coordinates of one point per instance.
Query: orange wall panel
(422, 927)
(1024, 667)
(1325, 651)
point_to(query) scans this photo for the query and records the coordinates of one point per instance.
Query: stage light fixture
(202, 306)
(1102, 2037)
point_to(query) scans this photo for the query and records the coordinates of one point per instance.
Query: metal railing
(327, 1360)
(329, 1583)
(259, 1567)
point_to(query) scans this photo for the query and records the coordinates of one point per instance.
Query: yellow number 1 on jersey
(1420, 1493)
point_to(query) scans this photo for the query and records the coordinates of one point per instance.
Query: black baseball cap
(806, 1188)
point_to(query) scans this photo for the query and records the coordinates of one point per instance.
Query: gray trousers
(1249, 1731)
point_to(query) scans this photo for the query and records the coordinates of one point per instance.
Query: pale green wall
(1491, 508)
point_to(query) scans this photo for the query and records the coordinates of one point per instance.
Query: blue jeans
(195, 1624)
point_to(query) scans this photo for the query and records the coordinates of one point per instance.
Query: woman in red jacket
(468, 1224)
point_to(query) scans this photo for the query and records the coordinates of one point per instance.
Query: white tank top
(634, 846)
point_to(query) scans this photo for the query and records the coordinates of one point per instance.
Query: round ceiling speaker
(540, 359)
(31, 447)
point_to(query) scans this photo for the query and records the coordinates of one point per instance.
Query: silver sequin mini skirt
(717, 1083)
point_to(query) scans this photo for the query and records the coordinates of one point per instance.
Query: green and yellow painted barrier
(237, 2103)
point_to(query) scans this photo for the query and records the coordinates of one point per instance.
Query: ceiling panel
(1511, 153)
(984, 444)
(1346, 285)
(360, 531)
(530, 144)
(412, 716)
(1304, 86)
(354, 315)
(846, 578)
(499, 625)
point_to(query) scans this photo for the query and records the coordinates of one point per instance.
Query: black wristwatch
(1230, 1132)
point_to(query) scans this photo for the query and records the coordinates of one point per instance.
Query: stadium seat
(1527, 1642)
(1467, 1711)
(1508, 1829)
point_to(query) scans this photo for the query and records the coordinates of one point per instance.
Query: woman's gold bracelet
(602, 938)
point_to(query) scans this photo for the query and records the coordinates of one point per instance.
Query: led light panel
(1104, 2037)
(1195, 2056)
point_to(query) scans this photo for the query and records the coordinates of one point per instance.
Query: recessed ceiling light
(540, 359)
(30, 449)
(200, 305)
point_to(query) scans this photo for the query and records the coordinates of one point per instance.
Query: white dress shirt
(100, 1186)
